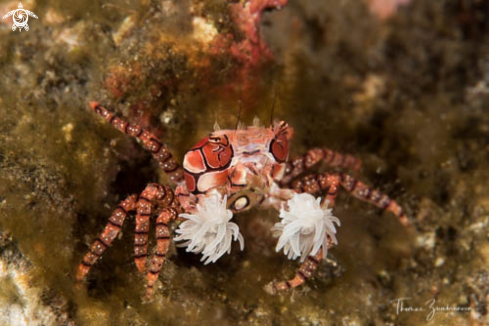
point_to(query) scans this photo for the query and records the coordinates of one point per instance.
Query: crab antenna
(239, 113)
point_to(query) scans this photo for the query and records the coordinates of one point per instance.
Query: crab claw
(306, 227)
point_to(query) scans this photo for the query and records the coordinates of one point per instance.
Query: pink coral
(250, 52)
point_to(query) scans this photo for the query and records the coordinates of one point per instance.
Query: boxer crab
(228, 172)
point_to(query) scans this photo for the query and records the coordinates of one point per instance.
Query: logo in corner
(20, 17)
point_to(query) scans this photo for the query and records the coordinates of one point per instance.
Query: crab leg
(160, 151)
(151, 195)
(142, 229)
(300, 164)
(316, 182)
(162, 245)
(165, 198)
(361, 191)
(110, 232)
(304, 272)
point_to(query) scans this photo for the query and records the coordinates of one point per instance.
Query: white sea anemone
(209, 231)
(305, 227)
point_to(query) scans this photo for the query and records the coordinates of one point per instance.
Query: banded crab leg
(160, 151)
(300, 164)
(164, 197)
(154, 194)
(305, 271)
(315, 183)
(145, 202)
(363, 192)
(112, 229)
(170, 205)
(162, 244)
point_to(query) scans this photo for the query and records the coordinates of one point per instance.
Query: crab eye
(240, 203)
(279, 147)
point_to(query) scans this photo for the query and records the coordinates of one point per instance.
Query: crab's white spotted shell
(209, 231)
(305, 227)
